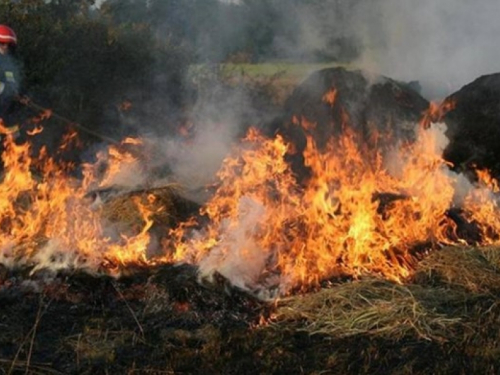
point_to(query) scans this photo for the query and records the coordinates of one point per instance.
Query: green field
(279, 77)
(290, 72)
(293, 73)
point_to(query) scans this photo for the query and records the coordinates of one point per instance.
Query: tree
(84, 62)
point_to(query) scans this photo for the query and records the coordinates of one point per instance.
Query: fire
(330, 97)
(118, 164)
(356, 216)
(46, 220)
(35, 131)
(126, 105)
(359, 213)
(436, 112)
(337, 225)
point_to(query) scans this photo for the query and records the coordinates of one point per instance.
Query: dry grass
(130, 208)
(473, 269)
(492, 255)
(372, 308)
(433, 305)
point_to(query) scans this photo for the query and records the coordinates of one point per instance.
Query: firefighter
(9, 71)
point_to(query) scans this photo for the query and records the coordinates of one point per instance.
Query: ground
(444, 320)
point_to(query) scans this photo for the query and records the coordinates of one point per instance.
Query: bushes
(80, 62)
(84, 62)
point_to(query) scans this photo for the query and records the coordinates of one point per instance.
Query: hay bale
(163, 205)
(462, 267)
(381, 110)
(473, 125)
(126, 208)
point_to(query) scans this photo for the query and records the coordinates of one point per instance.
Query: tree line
(89, 61)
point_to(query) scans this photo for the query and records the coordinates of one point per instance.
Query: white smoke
(238, 257)
(195, 161)
(444, 44)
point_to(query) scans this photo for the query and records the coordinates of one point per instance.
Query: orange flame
(125, 105)
(354, 217)
(436, 112)
(359, 214)
(46, 221)
(330, 97)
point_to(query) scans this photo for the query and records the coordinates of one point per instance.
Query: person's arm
(8, 83)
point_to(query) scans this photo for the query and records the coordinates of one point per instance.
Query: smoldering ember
(357, 232)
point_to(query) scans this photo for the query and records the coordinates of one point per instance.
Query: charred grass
(444, 320)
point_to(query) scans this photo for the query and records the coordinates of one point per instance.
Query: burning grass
(359, 214)
(363, 268)
(123, 209)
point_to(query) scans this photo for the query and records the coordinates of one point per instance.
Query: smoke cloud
(444, 44)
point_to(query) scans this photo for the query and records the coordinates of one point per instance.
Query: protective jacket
(9, 83)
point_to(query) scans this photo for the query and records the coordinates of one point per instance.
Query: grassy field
(288, 72)
(279, 78)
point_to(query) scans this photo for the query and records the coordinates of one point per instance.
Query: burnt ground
(444, 320)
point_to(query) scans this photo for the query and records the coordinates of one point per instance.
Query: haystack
(473, 124)
(129, 209)
(381, 110)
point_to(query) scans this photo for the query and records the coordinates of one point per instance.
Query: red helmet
(7, 35)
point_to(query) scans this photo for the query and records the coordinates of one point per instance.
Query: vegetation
(85, 61)
(140, 65)
(82, 63)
